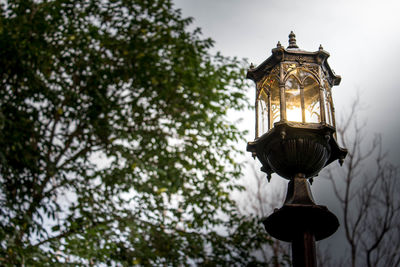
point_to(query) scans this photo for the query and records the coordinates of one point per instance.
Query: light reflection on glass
(275, 102)
(302, 96)
(293, 100)
(311, 100)
(328, 110)
(293, 114)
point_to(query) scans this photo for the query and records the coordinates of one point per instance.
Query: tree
(116, 145)
(258, 201)
(367, 189)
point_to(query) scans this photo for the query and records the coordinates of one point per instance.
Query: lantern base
(293, 147)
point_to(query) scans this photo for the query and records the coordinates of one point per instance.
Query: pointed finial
(251, 66)
(278, 45)
(320, 47)
(292, 40)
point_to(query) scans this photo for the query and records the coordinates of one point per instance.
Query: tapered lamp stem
(303, 250)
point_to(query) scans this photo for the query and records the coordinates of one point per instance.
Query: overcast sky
(362, 37)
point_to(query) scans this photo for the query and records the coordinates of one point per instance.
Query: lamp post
(296, 138)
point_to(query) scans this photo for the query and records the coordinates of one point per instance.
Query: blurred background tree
(258, 200)
(366, 189)
(116, 144)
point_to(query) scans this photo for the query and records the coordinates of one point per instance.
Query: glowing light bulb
(293, 114)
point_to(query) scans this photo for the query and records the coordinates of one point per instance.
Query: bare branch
(369, 201)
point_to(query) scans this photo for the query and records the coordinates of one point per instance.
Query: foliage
(116, 143)
(259, 200)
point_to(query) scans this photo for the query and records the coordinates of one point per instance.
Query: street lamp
(296, 138)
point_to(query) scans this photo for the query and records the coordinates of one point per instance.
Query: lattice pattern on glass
(268, 105)
(302, 97)
(328, 104)
(311, 100)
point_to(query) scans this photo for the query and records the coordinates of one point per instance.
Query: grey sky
(362, 37)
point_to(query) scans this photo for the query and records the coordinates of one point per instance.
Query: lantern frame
(279, 67)
(277, 135)
(274, 87)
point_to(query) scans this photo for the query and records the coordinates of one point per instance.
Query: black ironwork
(297, 151)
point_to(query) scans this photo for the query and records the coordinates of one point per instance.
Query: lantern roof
(293, 54)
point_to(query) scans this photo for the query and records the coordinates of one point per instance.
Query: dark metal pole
(303, 250)
(303, 243)
(301, 222)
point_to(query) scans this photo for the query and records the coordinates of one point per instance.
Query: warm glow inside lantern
(295, 116)
(297, 88)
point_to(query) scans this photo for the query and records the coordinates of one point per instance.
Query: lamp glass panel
(268, 105)
(275, 102)
(302, 73)
(262, 116)
(328, 105)
(293, 100)
(311, 100)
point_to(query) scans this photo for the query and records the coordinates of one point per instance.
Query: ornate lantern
(296, 138)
